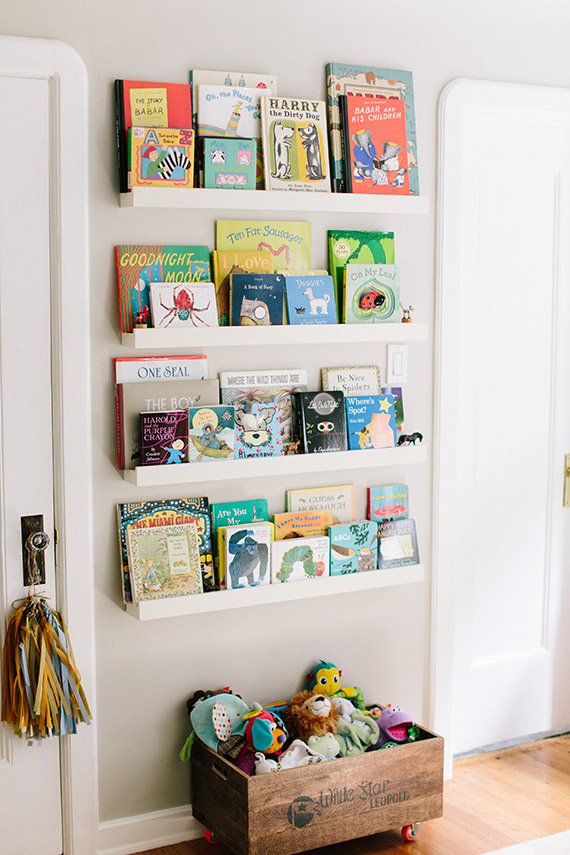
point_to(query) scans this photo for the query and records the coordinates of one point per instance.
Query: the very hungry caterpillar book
(226, 262)
(138, 265)
(288, 242)
(164, 561)
(371, 421)
(354, 547)
(299, 559)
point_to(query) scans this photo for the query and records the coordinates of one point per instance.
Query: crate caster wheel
(211, 837)
(410, 832)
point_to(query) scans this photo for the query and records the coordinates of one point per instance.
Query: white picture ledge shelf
(279, 593)
(295, 334)
(264, 467)
(272, 200)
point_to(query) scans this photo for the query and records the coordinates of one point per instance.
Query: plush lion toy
(311, 714)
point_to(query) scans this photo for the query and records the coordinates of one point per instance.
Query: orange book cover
(301, 524)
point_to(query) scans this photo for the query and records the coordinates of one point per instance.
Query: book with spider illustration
(191, 304)
(288, 242)
(354, 547)
(211, 433)
(347, 246)
(140, 264)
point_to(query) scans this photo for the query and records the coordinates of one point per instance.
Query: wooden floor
(494, 800)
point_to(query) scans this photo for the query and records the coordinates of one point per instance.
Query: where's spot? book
(163, 438)
(310, 299)
(371, 421)
(161, 157)
(299, 559)
(320, 421)
(164, 562)
(257, 431)
(257, 299)
(398, 544)
(388, 502)
(354, 547)
(190, 305)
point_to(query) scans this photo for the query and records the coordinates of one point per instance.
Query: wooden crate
(298, 809)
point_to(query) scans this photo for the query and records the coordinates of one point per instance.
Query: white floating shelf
(278, 593)
(268, 467)
(309, 334)
(273, 200)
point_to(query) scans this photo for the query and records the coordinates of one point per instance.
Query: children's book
(148, 105)
(371, 293)
(264, 82)
(371, 421)
(356, 247)
(248, 554)
(228, 111)
(258, 431)
(139, 265)
(164, 561)
(310, 299)
(387, 503)
(379, 84)
(304, 558)
(211, 432)
(398, 395)
(288, 242)
(141, 369)
(340, 500)
(256, 299)
(352, 380)
(295, 144)
(397, 544)
(226, 262)
(163, 438)
(266, 387)
(320, 421)
(161, 157)
(289, 526)
(375, 146)
(230, 163)
(192, 304)
(354, 547)
(166, 512)
(237, 512)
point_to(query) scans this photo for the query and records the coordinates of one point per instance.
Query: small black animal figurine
(410, 439)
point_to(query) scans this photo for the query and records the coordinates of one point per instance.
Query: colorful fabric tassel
(41, 686)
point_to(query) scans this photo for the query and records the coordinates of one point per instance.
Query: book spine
(345, 142)
(121, 136)
(119, 415)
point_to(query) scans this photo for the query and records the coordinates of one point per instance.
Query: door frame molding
(63, 69)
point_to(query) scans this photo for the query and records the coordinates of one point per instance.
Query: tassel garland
(41, 686)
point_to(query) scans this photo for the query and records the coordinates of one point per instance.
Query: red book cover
(375, 145)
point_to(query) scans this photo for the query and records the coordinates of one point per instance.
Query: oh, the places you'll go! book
(192, 304)
(288, 242)
(228, 111)
(310, 299)
(164, 561)
(388, 502)
(398, 544)
(161, 157)
(371, 293)
(295, 144)
(211, 433)
(256, 299)
(371, 421)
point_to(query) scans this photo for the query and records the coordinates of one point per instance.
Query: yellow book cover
(228, 261)
(161, 157)
(301, 524)
(288, 242)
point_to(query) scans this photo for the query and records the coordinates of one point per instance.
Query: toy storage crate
(303, 808)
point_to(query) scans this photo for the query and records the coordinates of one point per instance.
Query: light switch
(397, 364)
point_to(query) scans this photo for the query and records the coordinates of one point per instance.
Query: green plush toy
(357, 736)
(325, 678)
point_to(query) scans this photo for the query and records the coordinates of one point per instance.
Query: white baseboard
(147, 831)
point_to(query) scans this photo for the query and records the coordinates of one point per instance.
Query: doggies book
(256, 299)
(320, 424)
(371, 421)
(295, 144)
(310, 299)
(397, 544)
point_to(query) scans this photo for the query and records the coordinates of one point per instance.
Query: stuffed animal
(298, 754)
(216, 719)
(358, 736)
(327, 745)
(325, 678)
(310, 714)
(265, 733)
(394, 727)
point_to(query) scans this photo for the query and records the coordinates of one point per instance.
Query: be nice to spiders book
(191, 304)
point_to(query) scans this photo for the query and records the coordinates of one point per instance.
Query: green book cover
(371, 293)
(357, 247)
(288, 242)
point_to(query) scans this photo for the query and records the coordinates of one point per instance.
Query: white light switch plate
(397, 364)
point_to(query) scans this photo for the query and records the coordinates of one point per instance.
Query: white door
(44, 439)
(502, 536)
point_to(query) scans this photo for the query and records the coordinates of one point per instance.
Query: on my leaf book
(371, 293)
(164, 561)
(226, 262)
(310, 299)
(288, 242)
(161, 157)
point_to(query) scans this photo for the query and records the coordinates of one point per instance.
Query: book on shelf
(310, 299)
(228, 111)
(211, 433)
(371, 421)
(150, 105)
(346, 246)
(230, 163)
(165, 512)
(161, 157)
(352, 379)
(289, 526)
(340, 499)
(138, 265)
(257, 431)
(131, 399)
(320, 421)
(228, 261)
(141, 369)
(163, 438)
(388, 502)
(300, 559)
(397, 544)
(247, 554)
(269, 386)
(295, 144)
(354, 547)
(238, 512)
(164, 562)
(398, 395)
(242, 79)
(288, 242)
(371, 293)
(379, 84)
(190, 305)
(374, 146)
(257, 299)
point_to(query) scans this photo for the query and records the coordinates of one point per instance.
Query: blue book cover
(388, 502)
(256, 299)
(371, 421)
(258, 431)
(396, 391)
(310, 299)
(211, 431)
(354, 547)
(230, 163)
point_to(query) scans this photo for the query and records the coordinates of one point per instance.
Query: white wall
(147, 670)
